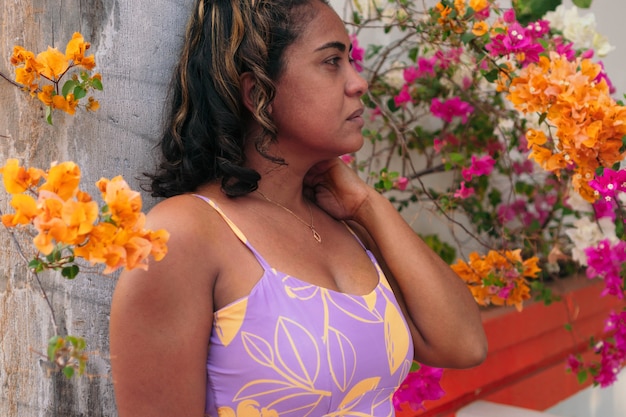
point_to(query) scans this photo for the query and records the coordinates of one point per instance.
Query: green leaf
(70, 272)
(49, 114)
(543, 117)
(36, 265)
(68, 371)
(492, 75)
(79, 92)
(583, 4)
(467, 37)
(96, 84)
(68, 87)
(581, 376)
(54, 344)
(531, 10)
(457, 158)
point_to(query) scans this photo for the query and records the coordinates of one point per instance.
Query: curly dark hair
(207, 124)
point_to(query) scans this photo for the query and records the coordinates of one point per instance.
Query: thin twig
(43, 291)
(3, 75)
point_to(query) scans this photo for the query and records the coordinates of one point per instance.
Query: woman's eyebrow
(332, 45)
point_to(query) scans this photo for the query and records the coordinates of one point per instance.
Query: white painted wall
(595, 402)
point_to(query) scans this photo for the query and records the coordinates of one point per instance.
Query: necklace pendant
(316, 236)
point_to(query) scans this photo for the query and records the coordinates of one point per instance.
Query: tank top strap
(354, 234)
(235, 230)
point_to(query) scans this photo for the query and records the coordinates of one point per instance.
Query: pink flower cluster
(449, 109)
(425, 68)
(517, 41)
(612, 353)
(608, 186)
(606, 261)
(357, 53)
(479, 166)
(419, 386)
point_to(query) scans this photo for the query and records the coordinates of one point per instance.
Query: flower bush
(66, 224)
(512, 111)
(50, 67)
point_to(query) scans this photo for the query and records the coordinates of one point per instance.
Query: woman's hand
(447, 329)
(337, 189)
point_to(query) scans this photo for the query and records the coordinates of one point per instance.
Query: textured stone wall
(135, 43)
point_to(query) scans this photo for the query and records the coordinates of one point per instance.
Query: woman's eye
(333, 61)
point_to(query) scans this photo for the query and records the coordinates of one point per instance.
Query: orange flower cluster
(455, 18)
(499, 278)
(63, 214)
(589, 124)
(53, 65)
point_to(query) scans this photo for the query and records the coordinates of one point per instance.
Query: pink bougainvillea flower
(565, 49)
(419, 386)
(609, 183)
(604, 209)
(538, 28)
(357, 53)
(403, 96)
(448, 57)
(347, 158)
(525, 167)
(480, 166)
(605, 261)
(603, 76)
(516, 41)
(401, 183)
(509, 16)
(464, 192)
(375, 113)
(410, 74)
(508, 212)
(451, 108)
(426, 66)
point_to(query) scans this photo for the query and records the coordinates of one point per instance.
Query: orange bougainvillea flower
(92, 104)
(480, 28)
(123, 203)
(479, 5)
(75, 51)
(589, 125)
(17, 179)
(64, 216)
(21, 55)
(53, 65)
(29, 68)
(498, 278)
(63, 179)
(25, 211)
(46, 94)
(80, 215)
(68, 103)
(53, 62)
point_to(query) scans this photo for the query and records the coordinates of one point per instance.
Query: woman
(267, 303)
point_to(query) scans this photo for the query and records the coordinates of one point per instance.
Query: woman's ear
(247, 80)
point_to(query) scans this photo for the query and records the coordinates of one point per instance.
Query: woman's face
(317, 108)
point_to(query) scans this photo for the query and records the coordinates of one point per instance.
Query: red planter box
(526, 363)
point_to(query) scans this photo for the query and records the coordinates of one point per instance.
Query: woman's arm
(444, 318)
(160, 324)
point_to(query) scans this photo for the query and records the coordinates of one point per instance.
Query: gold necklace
(316, 235)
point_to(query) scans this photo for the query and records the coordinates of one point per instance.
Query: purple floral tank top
(293, 349)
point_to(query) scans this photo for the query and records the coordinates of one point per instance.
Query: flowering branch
(67, 224)
(512, 112)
